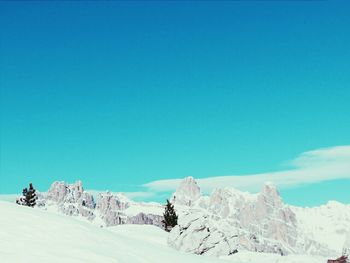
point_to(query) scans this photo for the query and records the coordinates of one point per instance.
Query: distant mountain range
(225, 223)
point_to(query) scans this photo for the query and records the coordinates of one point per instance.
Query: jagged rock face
(108, 201)
(111, 209)
(87, 200)
(187, 193)
(200, 233)
(268, 200)
(71, 199)
(278, 220)
(147, 219)
(236, 220)
(57, 192)
(194, 234)
(264, 214)
(62, 192)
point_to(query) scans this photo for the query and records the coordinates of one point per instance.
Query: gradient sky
(118, 94)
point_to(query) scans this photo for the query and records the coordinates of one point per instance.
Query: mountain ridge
(258, 222)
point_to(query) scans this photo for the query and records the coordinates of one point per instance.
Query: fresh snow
(35, 235)
(8, 197)
(328, 223)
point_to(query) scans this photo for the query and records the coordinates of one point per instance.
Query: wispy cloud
(309, 167)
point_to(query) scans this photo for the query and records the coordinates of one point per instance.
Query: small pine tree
(29, 197)
(170, 217)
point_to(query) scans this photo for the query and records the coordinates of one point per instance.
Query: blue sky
(119, 94)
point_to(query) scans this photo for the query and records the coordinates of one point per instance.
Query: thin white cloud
(309, 167)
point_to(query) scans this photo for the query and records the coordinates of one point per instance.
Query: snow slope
(8, 197)
(329, 223)
(34, 235)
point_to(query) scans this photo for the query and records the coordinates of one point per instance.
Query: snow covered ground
(35, 235)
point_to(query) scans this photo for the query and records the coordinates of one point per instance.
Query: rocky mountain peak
(187, 193)
(270, 195)
(71, 199)
(260, 222)
(110, 208)
(270, 189)
(63, 192)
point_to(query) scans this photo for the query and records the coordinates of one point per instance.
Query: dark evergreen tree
(29, 197)
(170, 217)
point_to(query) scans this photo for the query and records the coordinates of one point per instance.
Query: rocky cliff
(108, 209)
(223, 223)
(230, 220)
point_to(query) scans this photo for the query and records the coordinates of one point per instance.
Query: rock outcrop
(110, 209)
(71, 199)
(342, 259)
(196, 233)
(230, 220)
(146, 219)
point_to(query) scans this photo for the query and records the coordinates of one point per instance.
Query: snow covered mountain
(328, 224)
(227, 223)
(109, 209)
(34, 235)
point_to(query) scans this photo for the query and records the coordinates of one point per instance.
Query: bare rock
(111, 209)
(71, 199)
(146, 219)
(187, 193)
(230, 220)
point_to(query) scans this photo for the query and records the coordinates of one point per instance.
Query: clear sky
(118, 94)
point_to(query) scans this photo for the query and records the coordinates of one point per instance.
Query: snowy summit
(227, 225)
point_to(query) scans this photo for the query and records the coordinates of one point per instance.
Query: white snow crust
(34, 235)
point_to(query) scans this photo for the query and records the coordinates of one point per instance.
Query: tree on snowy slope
(29, 197)
(170, 217)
